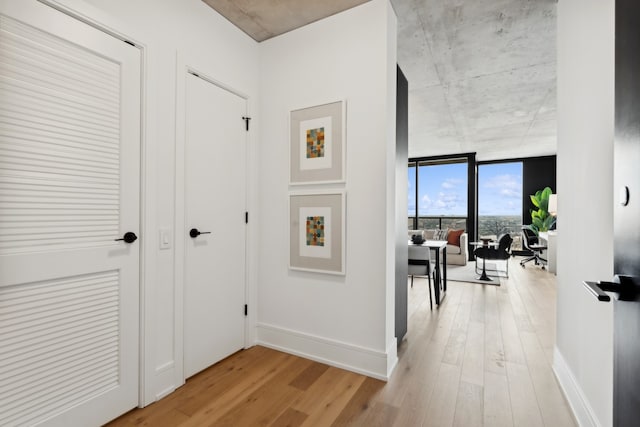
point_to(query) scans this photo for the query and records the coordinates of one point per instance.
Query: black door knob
(195, 233)
(129, 237)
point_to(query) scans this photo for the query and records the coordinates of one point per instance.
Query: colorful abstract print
(315, 143)
(315, 231)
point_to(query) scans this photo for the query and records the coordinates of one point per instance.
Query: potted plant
(541, 220)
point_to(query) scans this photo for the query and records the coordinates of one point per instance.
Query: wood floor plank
(497, 402)
(381, 415)
(483, 357)
(473, 362)
(524, 404)
(359, 405)
(290, 418)
(328, 396)
(510, 336)
(418, 393)
(309, 376)
(261, 405)
(442, 405)
(454, 352)
(552, 405)
(494, 360)
(478, 305)
(254, 390)
(230, 386)
(469, 406)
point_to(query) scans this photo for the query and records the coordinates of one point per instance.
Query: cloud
(510, 185)
(425, 202)
(450, 183)
(512, 194)
(449, 201)
(445, 202)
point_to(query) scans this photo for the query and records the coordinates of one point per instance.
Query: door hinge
(246, 217)
(246, 121)
(246, 309)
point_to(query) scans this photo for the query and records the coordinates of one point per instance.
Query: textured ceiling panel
(481, 76)
(263, 19)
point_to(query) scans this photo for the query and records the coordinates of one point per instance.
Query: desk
(549, 240)
(438, 246)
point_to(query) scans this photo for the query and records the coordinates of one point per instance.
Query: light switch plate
(165, 238)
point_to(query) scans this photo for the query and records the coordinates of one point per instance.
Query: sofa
(456, 255)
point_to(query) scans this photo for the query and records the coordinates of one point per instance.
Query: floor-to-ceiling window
(440, 192)
(442, 195)
(500, 200)
(412, 197)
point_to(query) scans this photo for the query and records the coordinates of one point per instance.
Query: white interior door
(69, 186)
(215, 204)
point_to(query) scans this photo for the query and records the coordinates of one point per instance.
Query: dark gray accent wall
(626, 216)
(402, 154)
(537, 173)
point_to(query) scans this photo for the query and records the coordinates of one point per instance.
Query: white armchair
(459, 255)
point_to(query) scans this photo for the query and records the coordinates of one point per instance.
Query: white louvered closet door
(69, 186)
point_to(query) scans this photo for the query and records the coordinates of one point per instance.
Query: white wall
(343, 320)
(207, 41)
(584, 353)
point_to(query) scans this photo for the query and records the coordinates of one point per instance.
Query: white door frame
(183, 68)
(146, 221)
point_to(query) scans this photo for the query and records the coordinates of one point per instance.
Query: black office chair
(532, 243)
(502, 253)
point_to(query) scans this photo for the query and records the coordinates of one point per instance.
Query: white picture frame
(317, 140)
(317, 231)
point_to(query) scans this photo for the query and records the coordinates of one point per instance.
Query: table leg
(444, 269)
(436, 287)
(484, 276)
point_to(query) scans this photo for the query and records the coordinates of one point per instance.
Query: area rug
(467, 273)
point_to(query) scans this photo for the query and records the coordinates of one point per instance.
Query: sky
(443, 189)
(500, 189)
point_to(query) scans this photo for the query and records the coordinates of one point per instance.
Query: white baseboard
(578, 402)
(365, 361)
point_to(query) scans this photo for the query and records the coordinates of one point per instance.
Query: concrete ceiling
(482, 76)
(482, 73)
(263, 19)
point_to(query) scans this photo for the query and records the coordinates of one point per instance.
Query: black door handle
(195, 233)
(129, 237)
(597, 290)
(626, 287)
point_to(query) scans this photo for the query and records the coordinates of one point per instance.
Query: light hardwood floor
(482, 359)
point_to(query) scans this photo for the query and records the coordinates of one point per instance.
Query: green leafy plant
(540, 218)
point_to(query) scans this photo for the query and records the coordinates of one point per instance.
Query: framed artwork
(317, 231)
(317, 144)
